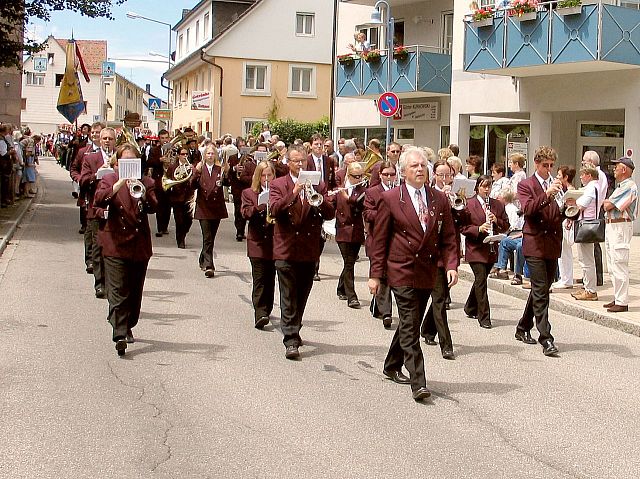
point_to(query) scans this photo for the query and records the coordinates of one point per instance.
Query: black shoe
(89, 269)
(525, 337)
(448, 354)
(292, 352)
(485, 324)
(165, 232)
(159, 234)
(209, 273)
(354, 303)
(74, 194)
(472, 316)
(181, 245)
(239, 238)
(100, 294)
(121, 346)
(130, 339)
(396, 376)
(386, 322)
(420, 394)
(342, 297)
(262, 322)
(548, 348)
(430, 340)
(447, 306)
(81, 230)
(316, 277)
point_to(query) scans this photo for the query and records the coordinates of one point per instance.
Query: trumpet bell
(572, 211)
(137, 189)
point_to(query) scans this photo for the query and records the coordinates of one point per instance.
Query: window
(256, 79)
(35, 79)
(373, 36)
(248, 124)
(129, 94)
(59, 77)
(180, 42)
(302, 81)
(305, 24)
(205, 30)
(487, 3)
(187, 44)
(197, 39)
(447, 32)
(398, 33)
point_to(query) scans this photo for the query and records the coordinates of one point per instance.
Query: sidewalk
(562, 301)
(11, 217)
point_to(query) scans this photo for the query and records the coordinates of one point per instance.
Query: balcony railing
(596, 37)
(423, 70)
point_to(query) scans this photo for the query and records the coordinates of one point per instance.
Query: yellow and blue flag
(70, 102)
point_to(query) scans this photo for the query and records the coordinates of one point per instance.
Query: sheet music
(312, 176)
(103, 171)
(259, 156)
(130, 168)
(263, 198)
(468, 185)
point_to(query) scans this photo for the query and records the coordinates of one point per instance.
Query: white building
(43, 73)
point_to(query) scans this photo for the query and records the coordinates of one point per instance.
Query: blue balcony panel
(434, 73)
(484, 46)
(349, 79)
(575, 37)
(527, 41)
(374, 77)
(404, 72)
(620, 35)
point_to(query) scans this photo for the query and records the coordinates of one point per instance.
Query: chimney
(147, 88)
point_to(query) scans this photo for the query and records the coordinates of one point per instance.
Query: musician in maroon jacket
(414, 227)
(210, 206)
(486, 216)
(381, 304)
(155, 165)
(76, 171)
(393, 154)
(350, 231)
(296, 244)
(125, 238)
(89, 182)
(260, 243)
(179, 197)
(541, 245)
(239, 177)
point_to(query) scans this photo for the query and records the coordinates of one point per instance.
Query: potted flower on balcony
(371, 56)
(569, 7)
(400, 53)
(523, 10)
(347, 59)
(482, 17)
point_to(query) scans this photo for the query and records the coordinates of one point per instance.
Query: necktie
(545, 185)
(422, 210)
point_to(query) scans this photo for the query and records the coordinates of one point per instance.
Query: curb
(564, 307)
(15, 223)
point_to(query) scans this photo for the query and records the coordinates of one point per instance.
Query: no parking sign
(388, 104)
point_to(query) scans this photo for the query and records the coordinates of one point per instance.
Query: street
(203, 394)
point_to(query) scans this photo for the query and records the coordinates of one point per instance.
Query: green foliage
(15, 15)
(288, 130)
(569, 3)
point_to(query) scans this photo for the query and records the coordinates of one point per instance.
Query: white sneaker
(560, 285)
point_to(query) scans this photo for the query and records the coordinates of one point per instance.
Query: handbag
(589, 231)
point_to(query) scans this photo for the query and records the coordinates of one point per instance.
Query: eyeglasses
(356, 177)
(444, 175)
(183, 154)
(387, 174)
(296, 161)
(395, 151)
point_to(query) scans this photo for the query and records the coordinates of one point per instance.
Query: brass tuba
(182, 173)
(370, 159)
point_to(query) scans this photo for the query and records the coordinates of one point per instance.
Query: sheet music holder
(263, 198)
(130, 168)
(245, 150)
(103, 171)
(259, 156)
(468, 185)
(494, 238)
(312, 176)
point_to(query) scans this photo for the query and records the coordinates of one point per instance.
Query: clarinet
(487, 210)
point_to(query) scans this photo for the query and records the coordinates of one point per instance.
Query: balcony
(598, 37)
(424, 72)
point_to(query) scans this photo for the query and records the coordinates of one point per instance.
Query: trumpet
(313, 197)
(458, 200)
(136, 188)
(344, 188)
(269, 219)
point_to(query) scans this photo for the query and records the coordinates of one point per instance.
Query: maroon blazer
(542, 231)
(296, 236)
(280, 168)
(372, 199)
(210, 203)
(375, 174)
(328, 170)
(401, 251)
(475, 250)
(154, 163)
(239, 184)
(75, 171)
(125, 234)
(259, 232)
(341, 174)
(88, 181)
(182, 192)
(349, 222)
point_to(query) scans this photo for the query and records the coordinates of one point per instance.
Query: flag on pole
(81, 63)
(70, 101)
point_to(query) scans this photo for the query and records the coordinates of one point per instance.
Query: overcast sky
(127, 38)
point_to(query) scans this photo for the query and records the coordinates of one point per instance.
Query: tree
(14, 15)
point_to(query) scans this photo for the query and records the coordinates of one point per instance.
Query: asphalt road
(204, 394)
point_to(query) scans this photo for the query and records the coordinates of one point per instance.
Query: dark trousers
(209, 230)
(163, 210)
(93, 225)
(381, 304)
(182, 217)
(322, 242)
(542, 271)
(5, 185)
(405, 345)
(597, 255)
(88, 241)
(295, 279)
(238, 221)
(346, 283)
(478, 301)
(125, 281)
(263, 272)
(435, 322)
(83, 216)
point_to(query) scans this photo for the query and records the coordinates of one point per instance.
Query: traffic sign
(155, 103)
(108, 69)
(388, 104)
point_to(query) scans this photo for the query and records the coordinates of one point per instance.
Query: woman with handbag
(588, 211)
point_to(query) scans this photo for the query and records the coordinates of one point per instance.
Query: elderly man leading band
(413, 228)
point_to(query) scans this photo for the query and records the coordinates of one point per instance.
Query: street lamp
(376, 21)
(137, 16)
